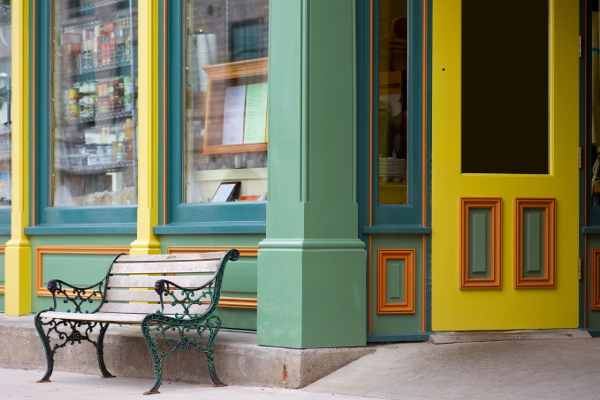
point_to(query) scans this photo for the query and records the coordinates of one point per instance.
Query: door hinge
(579, 270)
(579, 158)
(579, 46)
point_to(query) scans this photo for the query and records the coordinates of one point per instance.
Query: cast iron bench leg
(49, 352)
(100, 352)
(156, 359)
(210, 354)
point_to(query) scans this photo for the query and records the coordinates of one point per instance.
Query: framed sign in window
(236, 107)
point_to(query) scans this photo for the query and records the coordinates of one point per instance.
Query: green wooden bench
(183, 303)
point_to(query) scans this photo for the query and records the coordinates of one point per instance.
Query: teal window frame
(390, 218)
(61, 220)
(193, 218)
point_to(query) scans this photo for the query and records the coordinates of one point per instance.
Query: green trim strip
(243, 227)
(312, 244)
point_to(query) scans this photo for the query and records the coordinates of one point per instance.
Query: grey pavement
(518, 369)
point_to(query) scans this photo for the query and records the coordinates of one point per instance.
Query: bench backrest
(129, 281)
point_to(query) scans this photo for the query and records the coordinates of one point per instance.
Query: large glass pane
(500, 68)
(94, 84)
(226, 131)
(393, 101)
(5, 109)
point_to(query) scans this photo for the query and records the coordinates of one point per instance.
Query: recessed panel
(479, 242)
(395, 281)
(533, 243)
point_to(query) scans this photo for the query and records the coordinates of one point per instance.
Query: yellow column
(18, 249)
(148, 28)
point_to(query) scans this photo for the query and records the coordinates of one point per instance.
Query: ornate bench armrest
(76, 295)
(185, 297)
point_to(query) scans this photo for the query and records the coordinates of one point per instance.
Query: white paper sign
(233, 115)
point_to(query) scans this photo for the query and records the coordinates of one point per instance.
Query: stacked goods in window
(94, 137)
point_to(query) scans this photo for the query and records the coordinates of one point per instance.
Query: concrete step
(495, 336)
(238, 359)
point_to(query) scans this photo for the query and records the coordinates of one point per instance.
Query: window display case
(94, 90)
(226, 107)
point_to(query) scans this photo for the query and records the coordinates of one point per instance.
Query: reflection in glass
(393, 102)
(226, 129)
(94, 83)
(5, 109)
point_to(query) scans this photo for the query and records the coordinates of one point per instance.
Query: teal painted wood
(479, 243)
(533, 243)
(590, 229)
(185, 218)
(395, 281)
(43, 98)
(399, 337)
(82, 229)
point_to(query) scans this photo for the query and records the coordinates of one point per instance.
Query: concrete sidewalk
(516, 369)
(21, 384)
(525, 369)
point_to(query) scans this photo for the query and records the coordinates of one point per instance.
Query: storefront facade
(379, 195)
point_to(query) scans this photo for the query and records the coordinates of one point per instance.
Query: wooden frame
(408, 305)
(495, 279)
(229, 302)
(595, 284)
(549, 278)
(214, 104)
(40, 290)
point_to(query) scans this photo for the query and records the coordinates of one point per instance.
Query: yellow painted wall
(506, 308)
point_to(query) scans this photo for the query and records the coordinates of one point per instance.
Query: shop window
(394, 122)
(393, 101)
(226, 100)
(93, 133)
(217, 109)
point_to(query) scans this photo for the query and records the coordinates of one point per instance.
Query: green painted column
(312, 266)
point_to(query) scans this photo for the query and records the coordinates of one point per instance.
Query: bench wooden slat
(129, 308)
(171, 257)
(137, 295)
(121, 281)
(165, 267)
(99, 317)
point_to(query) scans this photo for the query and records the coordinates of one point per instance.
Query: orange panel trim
(408, 305)
(595, 284)
(549, 279)
(230, 302)
(40, 290)
(495, 279)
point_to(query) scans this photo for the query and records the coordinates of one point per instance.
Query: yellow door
(505, 106)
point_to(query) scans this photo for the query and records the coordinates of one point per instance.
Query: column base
(17, 280)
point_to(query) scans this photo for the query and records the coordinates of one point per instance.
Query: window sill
(397, 229)
(82, 229)
(218, 227)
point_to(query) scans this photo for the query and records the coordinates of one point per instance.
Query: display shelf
(101, 61)
(90, 6)
(100, 117)
(92, 23)
(97, 168)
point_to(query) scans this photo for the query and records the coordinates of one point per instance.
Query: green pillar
(312, 266)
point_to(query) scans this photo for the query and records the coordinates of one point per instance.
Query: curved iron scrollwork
(75, 295)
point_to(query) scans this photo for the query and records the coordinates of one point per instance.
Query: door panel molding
(406, 291)
(546, 238)
(489, 254)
